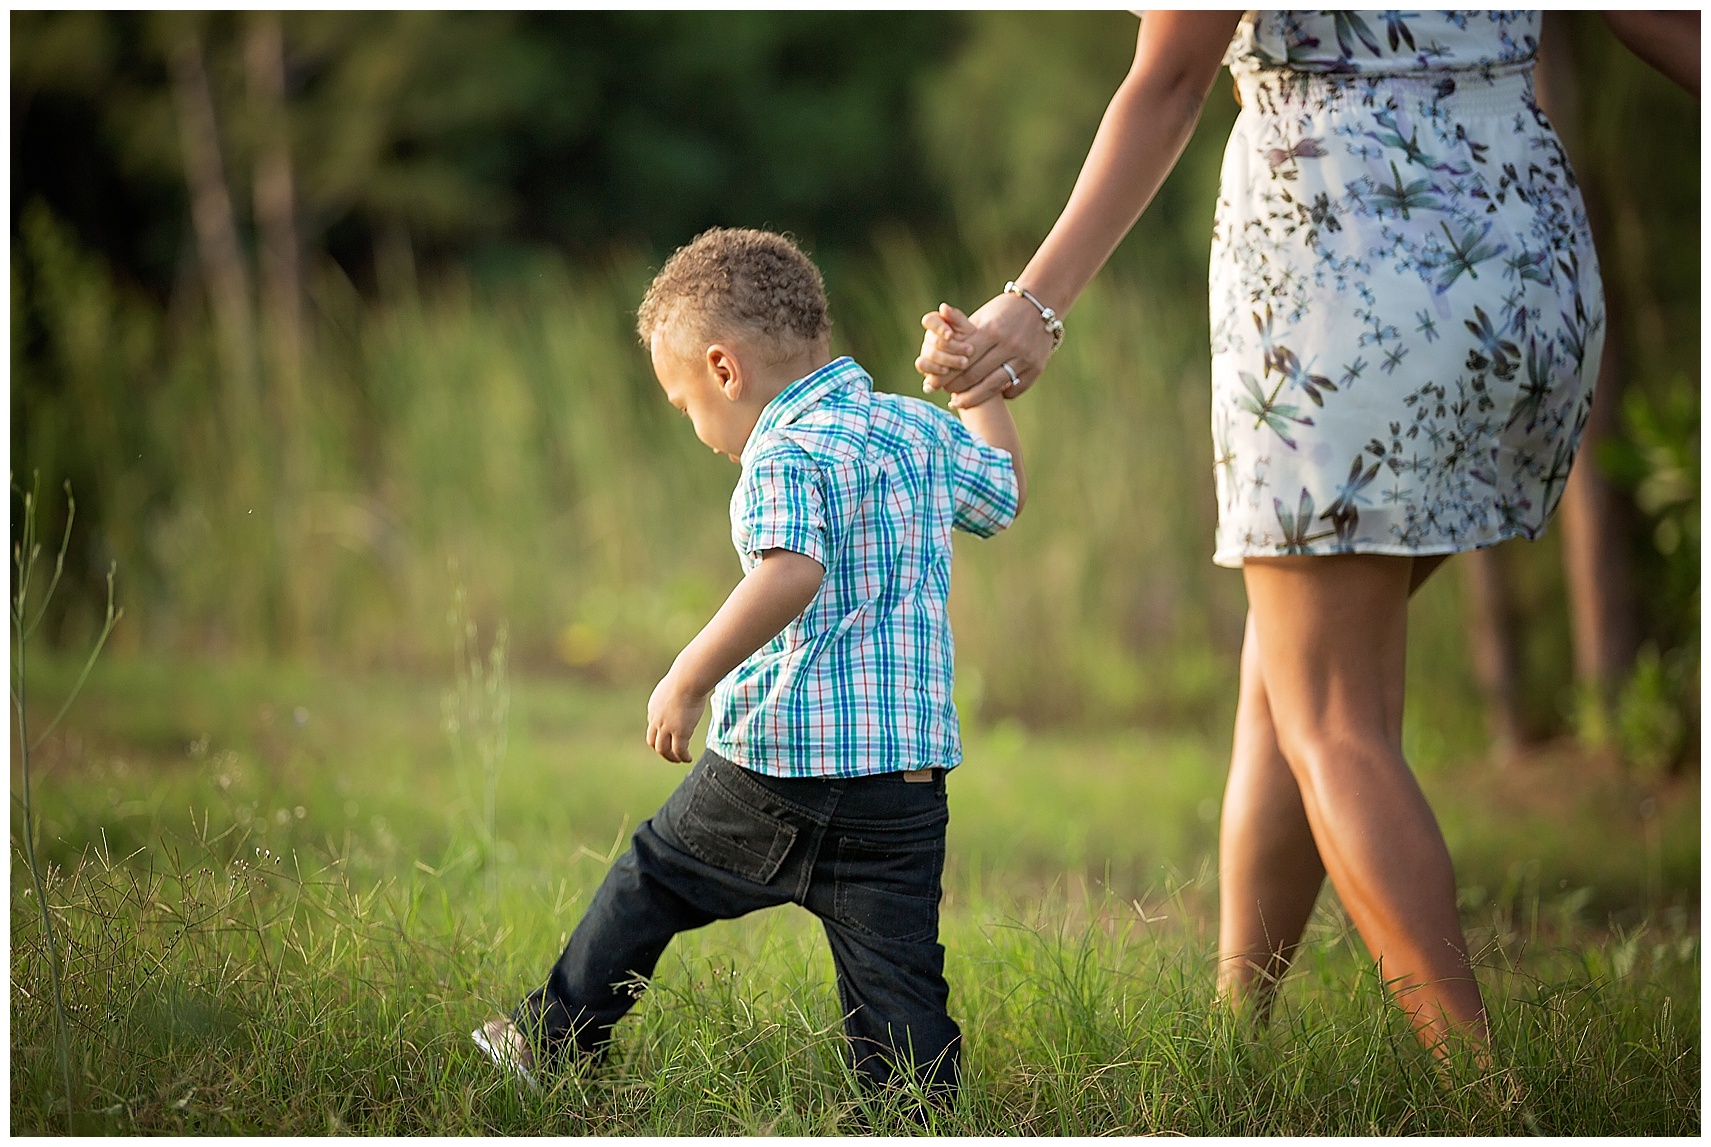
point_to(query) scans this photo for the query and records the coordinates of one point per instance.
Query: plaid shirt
(870, 486)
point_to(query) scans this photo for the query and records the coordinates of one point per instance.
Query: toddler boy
(829, 670)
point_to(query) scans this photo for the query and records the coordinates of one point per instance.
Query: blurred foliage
(1011, 118)
(479, 197)
(1008, 149)
(1644, 193)
(482, 133)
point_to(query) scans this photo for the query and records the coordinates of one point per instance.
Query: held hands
(673, 712)
(966, 354)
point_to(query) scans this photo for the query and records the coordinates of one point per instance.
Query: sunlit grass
(278, 920)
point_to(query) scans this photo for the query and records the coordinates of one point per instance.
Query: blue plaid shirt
(870, 486)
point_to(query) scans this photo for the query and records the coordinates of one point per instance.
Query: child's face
(715, 404)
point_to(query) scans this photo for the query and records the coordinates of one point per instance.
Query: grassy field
(284, 895)
(284, 913)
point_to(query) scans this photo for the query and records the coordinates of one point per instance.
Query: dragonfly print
(1494, 351)
(1267, 411)
(1396, 29)
(1405, 198)
(1318, 214)
(1464, 256)
(1224, 465)
(1396, 179)
(1391, 137)
(1304, 148)
(1296, 523)
(1541, 371)
(1475, 148)
(1557, 476)
(1343, 513)
(1530, 266)
(1350, 27)
(1577, 332)
(1267, 340)
(1278, 359)
(1289, 365)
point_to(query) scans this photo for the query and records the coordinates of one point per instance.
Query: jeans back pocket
(890, 889)
(720, 828)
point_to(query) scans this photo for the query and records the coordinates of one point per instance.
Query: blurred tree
(224, 271)
(1493, 645)
(477, 134)
(1594, 515)
(1642, 465)
(276, 214)
(93, 135)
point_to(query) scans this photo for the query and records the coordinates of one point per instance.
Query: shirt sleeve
(782, 505)
(983, 481)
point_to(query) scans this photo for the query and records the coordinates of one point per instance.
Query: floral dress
(1406, 309)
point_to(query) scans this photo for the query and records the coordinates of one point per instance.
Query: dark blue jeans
(864, 855)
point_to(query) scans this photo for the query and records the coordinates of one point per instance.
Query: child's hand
(673, 712)
(945, 349)
(774, 591)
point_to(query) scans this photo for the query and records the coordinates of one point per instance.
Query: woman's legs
(1269, 870)
(1323, 667)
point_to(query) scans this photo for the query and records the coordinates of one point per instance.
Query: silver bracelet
(1047, 315)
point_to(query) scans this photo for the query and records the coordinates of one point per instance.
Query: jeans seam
(928, 819)
(810, 861)
(741, 776)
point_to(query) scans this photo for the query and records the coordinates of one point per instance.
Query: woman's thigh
(1332, 633)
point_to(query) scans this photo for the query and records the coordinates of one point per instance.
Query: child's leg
(894, 1000)
(876, 889)
(712, 852)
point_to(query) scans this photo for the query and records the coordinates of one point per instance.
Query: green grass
(278, 918)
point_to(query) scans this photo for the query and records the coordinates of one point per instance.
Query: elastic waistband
(1470, 92)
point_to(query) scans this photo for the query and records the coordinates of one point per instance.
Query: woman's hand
(965, 354)
(1148, 122)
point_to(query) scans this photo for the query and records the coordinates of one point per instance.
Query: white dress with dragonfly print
(1406, 309)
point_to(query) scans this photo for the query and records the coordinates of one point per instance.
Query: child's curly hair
(735, 277)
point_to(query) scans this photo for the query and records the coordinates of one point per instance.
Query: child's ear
(725, 370)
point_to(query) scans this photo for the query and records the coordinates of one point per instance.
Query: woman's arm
(1668, 41)
(1145, 128)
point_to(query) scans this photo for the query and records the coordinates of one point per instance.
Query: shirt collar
(806, 393)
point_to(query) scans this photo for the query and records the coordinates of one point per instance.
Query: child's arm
(764, 602)
(991, 423)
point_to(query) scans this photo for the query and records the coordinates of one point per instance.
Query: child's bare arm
(764, 602)
(991, 423)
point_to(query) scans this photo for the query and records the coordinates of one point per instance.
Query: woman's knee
(1328, 757)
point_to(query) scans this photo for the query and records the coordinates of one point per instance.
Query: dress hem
(1233, 559)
